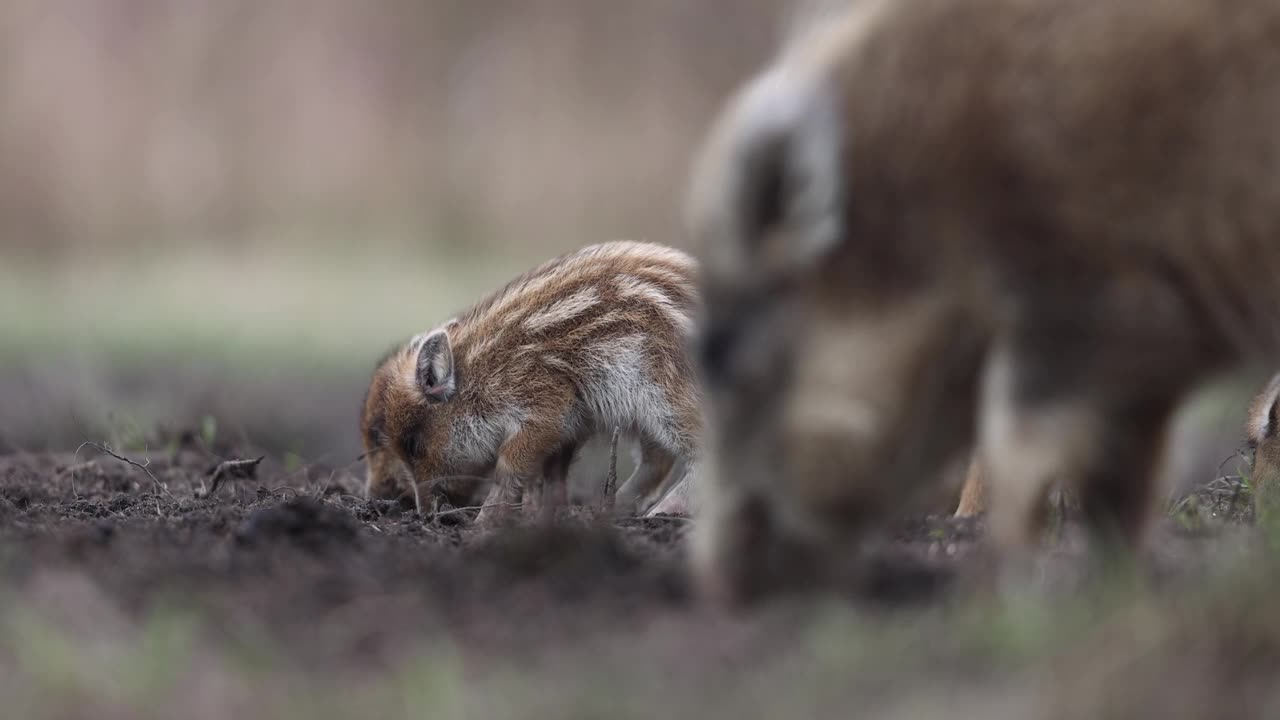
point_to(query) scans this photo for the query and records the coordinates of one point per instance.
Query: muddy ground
(288, 594)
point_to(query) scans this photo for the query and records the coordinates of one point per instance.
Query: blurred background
(219, 213)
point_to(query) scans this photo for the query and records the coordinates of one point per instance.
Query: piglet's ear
(435, 366)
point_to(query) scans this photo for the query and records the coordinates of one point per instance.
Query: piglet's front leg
(504, 496)
(521, 460)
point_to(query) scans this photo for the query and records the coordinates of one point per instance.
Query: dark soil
(298, 562)
(289, 550)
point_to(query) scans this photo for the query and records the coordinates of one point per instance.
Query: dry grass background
(167, 124)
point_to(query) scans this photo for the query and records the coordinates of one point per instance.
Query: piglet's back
(590, 316)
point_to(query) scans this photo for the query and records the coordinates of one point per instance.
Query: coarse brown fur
(1033, 225)
(1263, 433)
(589, 341)
(973, 496)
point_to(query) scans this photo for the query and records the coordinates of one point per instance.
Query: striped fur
(934, 225)
(586, 342)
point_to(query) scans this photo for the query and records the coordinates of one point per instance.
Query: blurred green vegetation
(1186, 650)
(334, 311)
(268, 345)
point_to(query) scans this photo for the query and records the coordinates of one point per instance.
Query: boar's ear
(1263, 413)
(770, 180)
(435, 366)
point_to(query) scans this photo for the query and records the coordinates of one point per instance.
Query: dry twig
(435, 486)
(228, 469)
(459, 511)
(417, 496)
(611, 478)
(1221, 494)
(144, 466)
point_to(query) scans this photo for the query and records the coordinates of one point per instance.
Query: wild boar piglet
(508, 390)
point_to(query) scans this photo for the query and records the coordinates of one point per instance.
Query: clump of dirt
(575, 561)
(304, 521)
